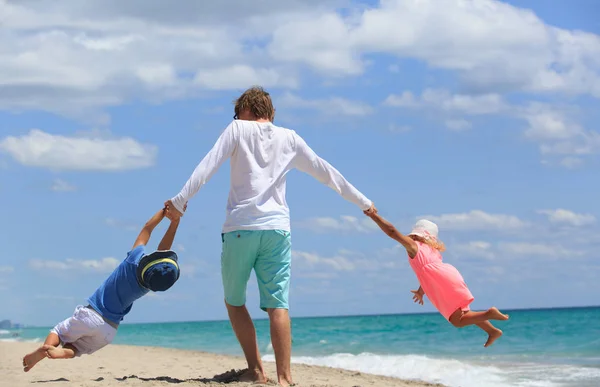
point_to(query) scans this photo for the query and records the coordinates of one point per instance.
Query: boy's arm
(144, 235)
(167, 240)
(390, 230)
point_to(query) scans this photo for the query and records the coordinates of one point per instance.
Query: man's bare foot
(253, 376)
(33, 358)
(285, 383)
(493, 337)
(495, 314)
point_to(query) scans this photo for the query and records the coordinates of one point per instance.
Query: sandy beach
(119, 365)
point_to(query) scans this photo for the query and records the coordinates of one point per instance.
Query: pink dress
(442, 283)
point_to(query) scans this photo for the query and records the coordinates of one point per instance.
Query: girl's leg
(461, 319)
(493, 332)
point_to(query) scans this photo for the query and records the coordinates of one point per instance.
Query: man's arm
(144, 235)
(309, 162)
(167, 241)
(391, 231)
(210, 164)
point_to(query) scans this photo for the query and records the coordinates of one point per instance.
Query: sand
(124, 366)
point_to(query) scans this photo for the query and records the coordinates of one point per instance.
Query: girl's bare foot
(33, 358)
(493, 336)
(495, 314)
(253, 376)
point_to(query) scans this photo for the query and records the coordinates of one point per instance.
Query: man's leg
(273, 271)
(237, 259)
(281, 338)
(243, 327)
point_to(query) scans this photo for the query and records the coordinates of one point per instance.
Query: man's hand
(417, 296)
(371, 210)
(173, 213)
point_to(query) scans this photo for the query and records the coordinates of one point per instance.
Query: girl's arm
(420, 290)
(388, 228)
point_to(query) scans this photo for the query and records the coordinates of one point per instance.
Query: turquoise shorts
(269, 253)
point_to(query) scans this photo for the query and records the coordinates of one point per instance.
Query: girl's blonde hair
(431, 242)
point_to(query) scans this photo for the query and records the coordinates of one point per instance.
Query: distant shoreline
(507, 310)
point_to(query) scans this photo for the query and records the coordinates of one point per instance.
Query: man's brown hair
(257, 101)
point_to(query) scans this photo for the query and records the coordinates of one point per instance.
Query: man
(256, 233)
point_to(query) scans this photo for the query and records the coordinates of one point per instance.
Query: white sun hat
(425, 229)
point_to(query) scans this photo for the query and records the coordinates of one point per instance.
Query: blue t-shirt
(115, 297)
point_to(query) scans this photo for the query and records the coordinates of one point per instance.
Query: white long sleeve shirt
(261, 155)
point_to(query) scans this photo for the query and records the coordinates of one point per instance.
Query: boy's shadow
(226, 377)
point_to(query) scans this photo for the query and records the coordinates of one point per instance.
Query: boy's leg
(493, 332)
(237, 260)
(66, 352)
(273, 272)
(31, 359)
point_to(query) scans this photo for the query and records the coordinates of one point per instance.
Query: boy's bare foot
(33, 358)
(253, 376)
(57, 352)
(493, 336)
(495, 314)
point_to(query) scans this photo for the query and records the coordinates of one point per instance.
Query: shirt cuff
(366, 204)
(178, 203)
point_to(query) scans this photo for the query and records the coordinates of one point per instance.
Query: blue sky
(480, 115)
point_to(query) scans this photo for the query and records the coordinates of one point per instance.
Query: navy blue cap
(159, 270)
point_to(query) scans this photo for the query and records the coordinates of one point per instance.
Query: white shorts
(86, 330)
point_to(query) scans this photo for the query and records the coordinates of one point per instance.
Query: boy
(94, 326)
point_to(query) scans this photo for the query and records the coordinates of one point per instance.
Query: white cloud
(240, 76)
(562, 216)
(48, 297)
(559, 134)
(475, 249)
(571, 162)
(527, 249)
(62, 186)
(6, 269)
(58, 152)
(445, 101)
(345, 223)
(129, 226)
(337, 262)
(458, 125)
(399, 128)
(474, 38)
(329, 106)
(104, 265)
(476, 220)
(71, 57)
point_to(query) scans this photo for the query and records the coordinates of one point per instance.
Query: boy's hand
(171, 212)
(417, 296)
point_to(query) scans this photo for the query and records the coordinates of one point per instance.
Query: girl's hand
(417, 296)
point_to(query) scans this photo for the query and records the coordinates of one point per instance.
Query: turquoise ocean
(543, 347)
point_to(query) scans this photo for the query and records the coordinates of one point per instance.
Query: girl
(442, 283)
